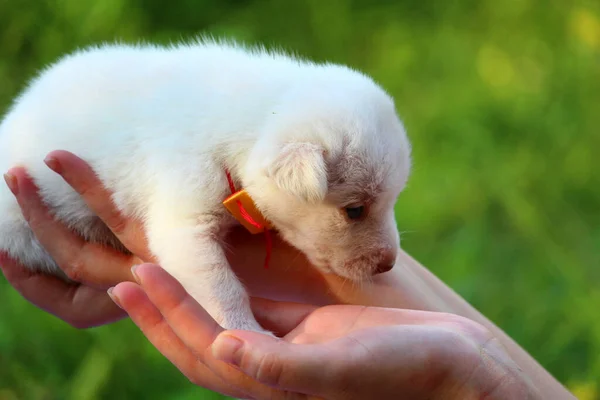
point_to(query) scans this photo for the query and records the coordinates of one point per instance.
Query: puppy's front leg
(194, 255)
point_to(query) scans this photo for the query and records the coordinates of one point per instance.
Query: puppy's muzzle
(386, 263)
(378, 262)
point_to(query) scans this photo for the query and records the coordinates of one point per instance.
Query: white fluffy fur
(161, 125)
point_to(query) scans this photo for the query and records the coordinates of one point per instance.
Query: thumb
(301, 368)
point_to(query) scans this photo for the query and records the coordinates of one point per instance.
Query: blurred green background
(501, 101)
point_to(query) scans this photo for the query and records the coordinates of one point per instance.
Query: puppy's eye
(355, 212)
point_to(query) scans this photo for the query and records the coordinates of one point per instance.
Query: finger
(194, 326)
(306, 369)
(280, 317)
(82, 261)
(80, 306)
(80, 176)
(247, 384)
(148, 318)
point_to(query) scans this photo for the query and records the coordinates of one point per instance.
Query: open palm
(338, 352)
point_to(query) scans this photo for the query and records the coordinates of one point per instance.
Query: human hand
(333, 352)
(82, 303)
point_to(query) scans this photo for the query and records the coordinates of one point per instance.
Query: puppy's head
(328, 170)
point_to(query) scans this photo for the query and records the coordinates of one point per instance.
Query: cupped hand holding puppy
(84, 302)
(332, 352)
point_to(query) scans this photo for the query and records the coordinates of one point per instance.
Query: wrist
(496, 377)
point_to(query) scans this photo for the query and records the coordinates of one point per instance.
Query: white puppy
(319, 147)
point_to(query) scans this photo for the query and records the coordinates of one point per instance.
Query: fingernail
(53, 164)
(114, 297)
(11, 182)
(228, 349)
(135, 276)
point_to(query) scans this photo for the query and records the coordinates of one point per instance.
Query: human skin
(289, 278)
(332, 352)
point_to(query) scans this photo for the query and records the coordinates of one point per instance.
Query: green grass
(500, 100)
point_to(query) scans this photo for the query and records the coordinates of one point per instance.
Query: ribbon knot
(245, 215)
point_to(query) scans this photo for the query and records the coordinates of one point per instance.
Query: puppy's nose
(387, 262)
(383, 267)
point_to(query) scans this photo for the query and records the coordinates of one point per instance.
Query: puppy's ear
(300, 169)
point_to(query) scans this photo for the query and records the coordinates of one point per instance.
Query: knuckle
(270, 370)
(116, 223)
(80, 186)
(74, 269)
(31, 216)
(36, 215)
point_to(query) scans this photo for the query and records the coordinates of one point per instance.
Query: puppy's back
(118, 106)
(109, 93)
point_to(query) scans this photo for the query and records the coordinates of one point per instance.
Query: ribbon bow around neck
(242, 207)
